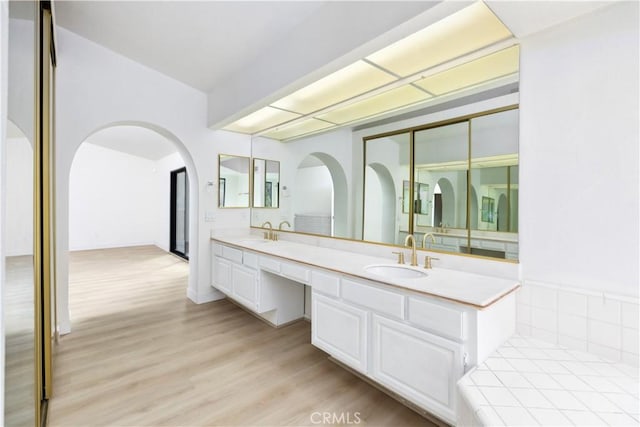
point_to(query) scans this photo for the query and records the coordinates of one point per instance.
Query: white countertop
(467, 288)
(532, 382)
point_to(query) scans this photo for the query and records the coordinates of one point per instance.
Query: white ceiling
(208, 44)
(199, 43)
(134, 140)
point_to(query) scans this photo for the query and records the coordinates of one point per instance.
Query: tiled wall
(603, 324)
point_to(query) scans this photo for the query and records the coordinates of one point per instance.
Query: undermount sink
(395, 271)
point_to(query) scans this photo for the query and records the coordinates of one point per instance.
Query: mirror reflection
(386, 189)
(452, 184)
(233, 181)
(266, 183)
(20, 300)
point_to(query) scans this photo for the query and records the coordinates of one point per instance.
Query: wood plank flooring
(141, 354)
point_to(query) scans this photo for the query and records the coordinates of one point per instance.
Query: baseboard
(212, 295)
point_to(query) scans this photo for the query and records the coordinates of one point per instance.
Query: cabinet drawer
(295, 272)
(250, 260)
(232, 254)
(269, 264)
(439, 319)
(326, 283)
(382, 301)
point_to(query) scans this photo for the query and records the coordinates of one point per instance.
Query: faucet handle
(400, 256)
(427, 261)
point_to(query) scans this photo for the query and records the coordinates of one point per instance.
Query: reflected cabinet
(456, 180)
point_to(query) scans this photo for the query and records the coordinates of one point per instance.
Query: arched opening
(444, 203)
(380, 224)
(120, 209)
(321, 202)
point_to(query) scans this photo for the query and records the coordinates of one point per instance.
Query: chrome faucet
(414, 256)
(424, 239)
(282, 223)
(269, 235)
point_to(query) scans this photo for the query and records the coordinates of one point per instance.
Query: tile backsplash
(604, 324)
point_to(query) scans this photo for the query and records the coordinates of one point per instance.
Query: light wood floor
(141, 354)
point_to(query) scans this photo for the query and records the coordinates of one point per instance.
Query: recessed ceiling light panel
(262, 119)
(499, 64)
(298, 129)
(346, 83)
(387, 101)
(465, 31)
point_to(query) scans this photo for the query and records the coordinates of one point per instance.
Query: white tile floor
(532, 382)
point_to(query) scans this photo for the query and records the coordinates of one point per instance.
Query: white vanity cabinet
(257, 283)
(420, 366)
(340, 330)
(415, 345)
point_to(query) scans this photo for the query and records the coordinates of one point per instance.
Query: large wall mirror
(22, 366)
(233, 181)
(266, 183)
(455, 182)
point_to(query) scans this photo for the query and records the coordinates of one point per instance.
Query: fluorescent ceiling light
(391, 78)
(346, 83)
(264, 118)
(298, 129)
(463, 32)
(382, 103)
(481, 70)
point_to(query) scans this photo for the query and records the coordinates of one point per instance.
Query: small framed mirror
(266, 183)
(233, 181)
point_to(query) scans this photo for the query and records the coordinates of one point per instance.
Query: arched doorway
(321, 196)
(159, 220)
(380, 224)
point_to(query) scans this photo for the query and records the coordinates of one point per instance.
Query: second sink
(395, 271)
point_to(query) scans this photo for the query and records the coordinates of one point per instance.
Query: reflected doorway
(179, 222)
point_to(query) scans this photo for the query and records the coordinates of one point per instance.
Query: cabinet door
(420, 366)
(340, 330)
(222, 275)
(245, 285)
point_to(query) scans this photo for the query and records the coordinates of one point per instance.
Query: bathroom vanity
(412, 330)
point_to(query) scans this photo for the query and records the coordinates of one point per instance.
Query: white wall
(118, 200)
(113, 200)
(313, 191)
(18, 234)
(579, 130)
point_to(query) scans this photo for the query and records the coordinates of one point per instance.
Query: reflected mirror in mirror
(266, 183)
(233, 181)
(441, 161)
(386, 189)
(494, 185)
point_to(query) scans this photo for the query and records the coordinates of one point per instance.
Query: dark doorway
(179, 213)
(437, 210)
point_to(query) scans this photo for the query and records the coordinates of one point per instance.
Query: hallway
(141, 354)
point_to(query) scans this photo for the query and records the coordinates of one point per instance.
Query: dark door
(179, 213)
